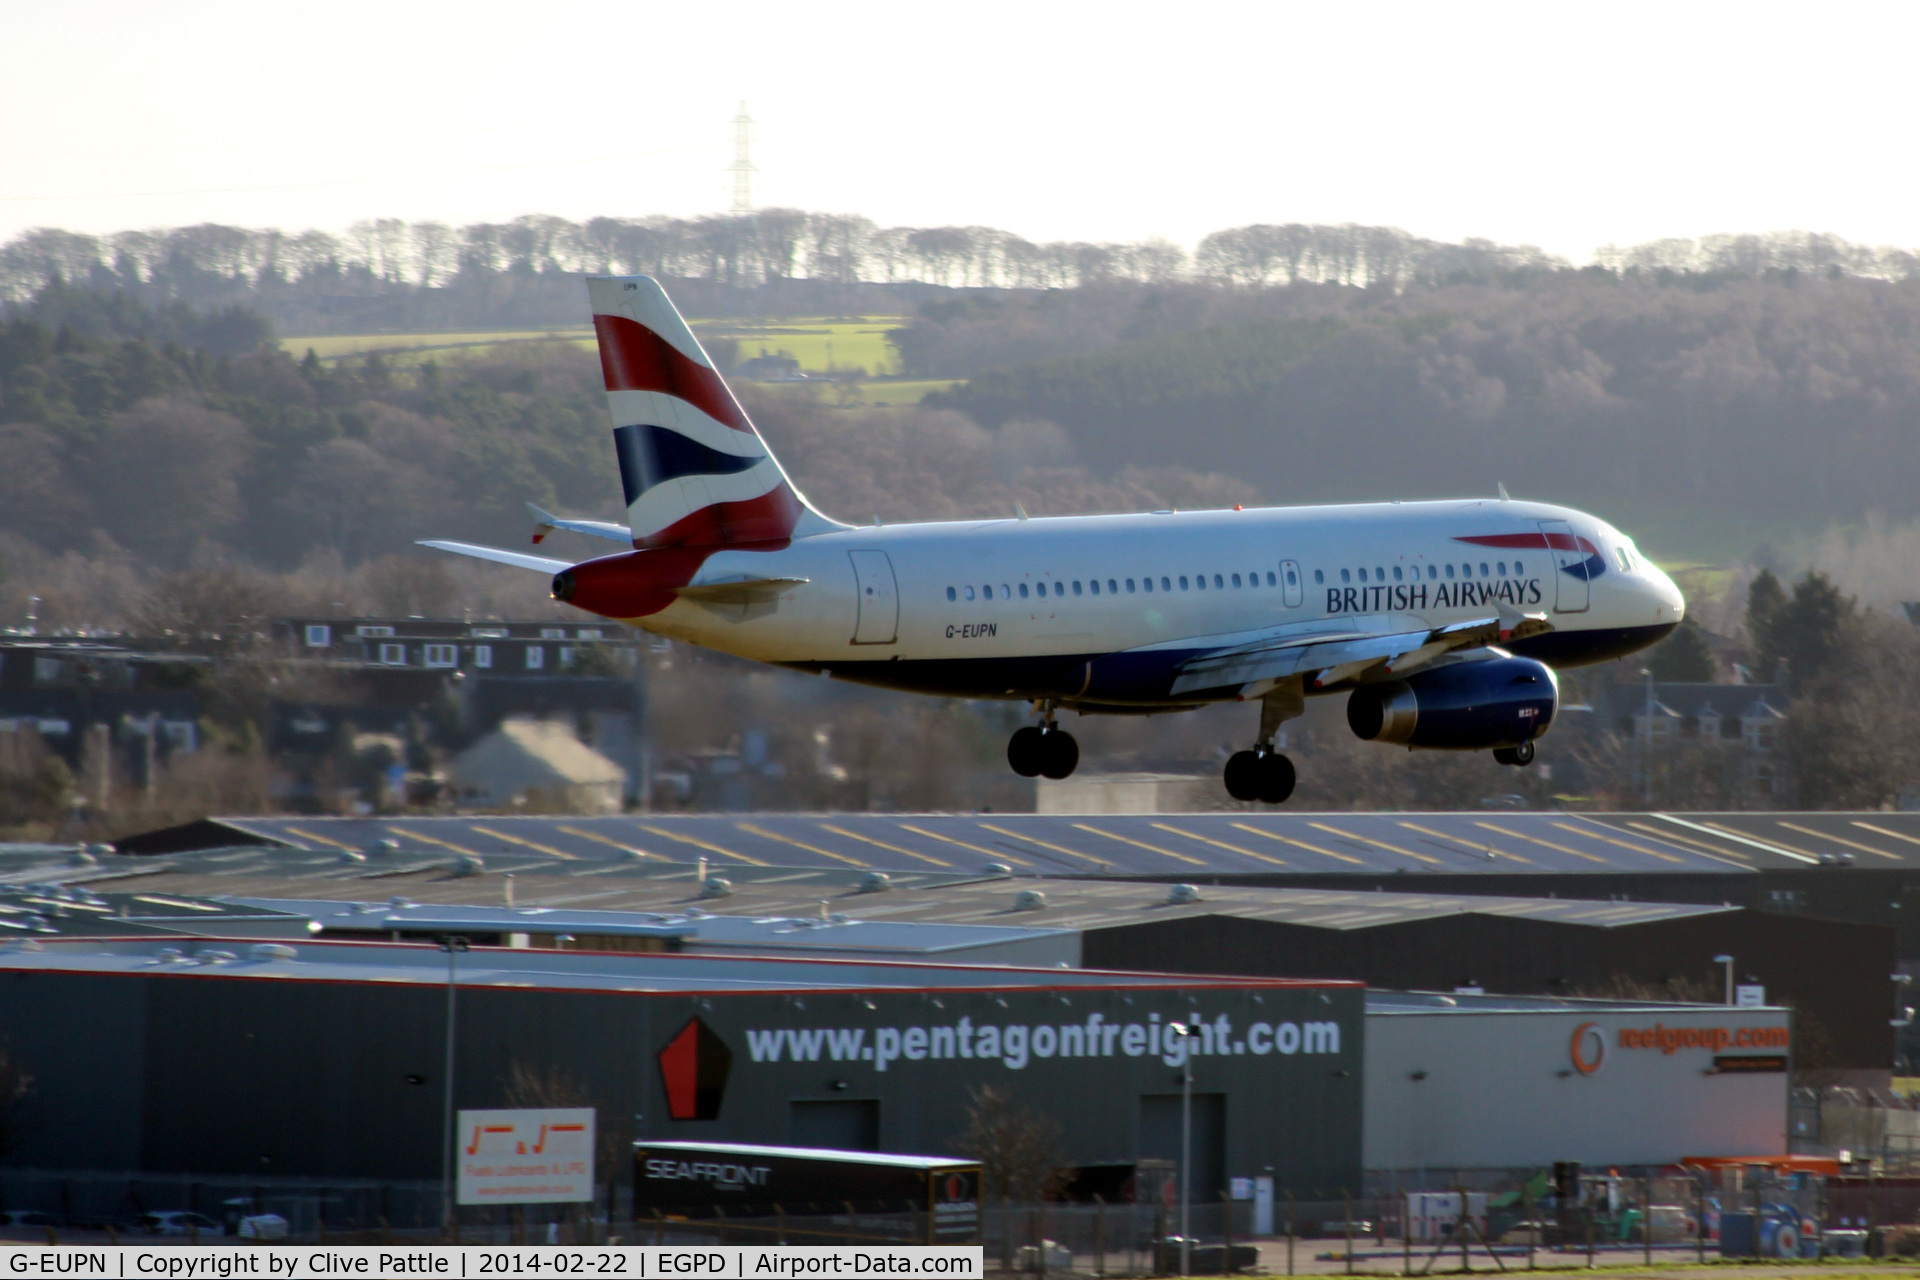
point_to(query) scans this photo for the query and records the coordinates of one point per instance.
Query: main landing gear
(1264, 774)
(1520, 755)
(1043, 750)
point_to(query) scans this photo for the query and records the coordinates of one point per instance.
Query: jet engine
(1498, 702)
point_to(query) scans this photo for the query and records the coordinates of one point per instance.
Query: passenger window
(1148, 584)
(1095, 584)
(1346, 575)
(1449, 572)
(1236, 579)
(986, 592)
(951, 593)
(1271, 580)
(1518, 572)
(1502, 567)
(1379, 575)
(1200, 581)
(1432, 573)
(1319, 578)
(1130, 585)
(1466, 571)
(1023, 591)
(1113, 588)
(1059, 588)
(969, 593)
(1396, 573)
(1483, 568)
(1218, 581)
(1183, 582)
(1006, 592)
(1166, 584)
(1076, 586)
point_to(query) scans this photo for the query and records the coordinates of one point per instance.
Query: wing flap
(518, 559)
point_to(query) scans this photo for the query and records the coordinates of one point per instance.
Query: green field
(411, 348)
(822, 346)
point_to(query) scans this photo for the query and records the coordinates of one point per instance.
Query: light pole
(1727, 963)
(1185, 1031)
(453, 946)
(1646, 786)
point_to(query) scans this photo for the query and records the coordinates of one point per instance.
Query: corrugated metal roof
(1437, 1002)
(1030, 844)
(629, 972)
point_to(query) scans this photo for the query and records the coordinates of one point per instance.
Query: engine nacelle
(1463, 706)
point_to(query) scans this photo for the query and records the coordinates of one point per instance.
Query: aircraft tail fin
(693, 470)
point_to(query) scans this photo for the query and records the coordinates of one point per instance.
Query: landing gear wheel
(1521, 755)
(1243, 775)
(1266, 776)
(1025, 751)
(1276, 778)
(1059, 754)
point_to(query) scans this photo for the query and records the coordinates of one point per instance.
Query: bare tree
(1018, 1149)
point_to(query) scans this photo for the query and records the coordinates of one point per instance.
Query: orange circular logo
(1588, 1048)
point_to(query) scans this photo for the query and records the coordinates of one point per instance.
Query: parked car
(27, 1218)
(177, 1222)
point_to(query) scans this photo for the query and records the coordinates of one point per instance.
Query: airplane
(1442, 622)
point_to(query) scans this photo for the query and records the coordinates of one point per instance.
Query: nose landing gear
(1043, 750)
(1521, 755)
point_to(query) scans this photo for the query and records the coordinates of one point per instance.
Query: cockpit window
(1625, 558)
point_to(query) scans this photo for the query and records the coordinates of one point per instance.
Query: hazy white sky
(1566, 125)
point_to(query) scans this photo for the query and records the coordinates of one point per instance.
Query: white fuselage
(974, 602)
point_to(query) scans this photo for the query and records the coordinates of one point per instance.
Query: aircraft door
(1571, 570)
(1290, 583)
(879, 598)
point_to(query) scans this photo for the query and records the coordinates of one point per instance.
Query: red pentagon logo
(693, 1070)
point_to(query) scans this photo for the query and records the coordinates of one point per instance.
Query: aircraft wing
(1328, 657)
(517, 559)
(547, 522)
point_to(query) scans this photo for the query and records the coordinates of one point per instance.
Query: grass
(821, 345)
(413, 348)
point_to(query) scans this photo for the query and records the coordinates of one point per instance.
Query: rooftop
(424, 964)
(1197, 844)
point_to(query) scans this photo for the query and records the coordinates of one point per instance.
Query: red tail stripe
(770, 517)
(1536, 541)
(635, 358)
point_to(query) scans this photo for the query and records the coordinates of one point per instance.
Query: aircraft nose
(1669, 605)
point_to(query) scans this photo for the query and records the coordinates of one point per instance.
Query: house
(539, 765)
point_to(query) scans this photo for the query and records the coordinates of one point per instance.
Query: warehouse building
(1839, 976)
(1488, 1082)
(324, 1059)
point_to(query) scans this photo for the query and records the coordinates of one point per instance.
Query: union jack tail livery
(693, 470)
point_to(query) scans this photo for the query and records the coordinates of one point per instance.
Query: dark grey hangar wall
(330, 1064)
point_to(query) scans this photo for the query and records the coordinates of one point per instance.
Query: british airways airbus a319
(1443, 623)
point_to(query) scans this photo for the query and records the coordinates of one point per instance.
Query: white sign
(1747, 996)
(530, 1156)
